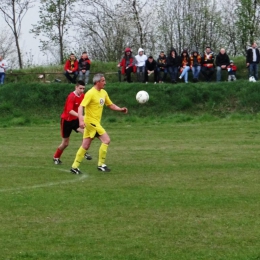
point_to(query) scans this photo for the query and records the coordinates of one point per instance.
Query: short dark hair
(150, 57)
(81, 82)
(84, 52)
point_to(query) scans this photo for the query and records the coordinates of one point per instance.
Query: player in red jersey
(69, 120)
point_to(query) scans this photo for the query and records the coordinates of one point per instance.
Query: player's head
(80, 87)
(99, 80)
(84, 55)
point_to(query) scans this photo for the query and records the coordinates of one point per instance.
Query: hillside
(32, 103)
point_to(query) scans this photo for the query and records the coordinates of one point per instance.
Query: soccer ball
(252, 79)
(142, 97)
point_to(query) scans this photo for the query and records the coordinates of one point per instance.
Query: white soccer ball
(142, 97)
(252, 79)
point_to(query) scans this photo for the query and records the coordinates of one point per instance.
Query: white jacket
(140, 59)
(3, 65)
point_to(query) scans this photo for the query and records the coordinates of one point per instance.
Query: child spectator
(231, 68)
(84, 67)
(151, 68)
(162, 67)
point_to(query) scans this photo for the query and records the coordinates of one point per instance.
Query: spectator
(252, 60)
(222, 61)
(162, 67)
(185, 65)
(84, 67)
(71, 68)
(207, 68)
(140, 59)
(231, 68)
(3, 67)
(151, 68)
(195, 64)
(173, 63)
(127, 64)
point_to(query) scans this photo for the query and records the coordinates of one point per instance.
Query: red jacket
(71, 65)
(123, 65)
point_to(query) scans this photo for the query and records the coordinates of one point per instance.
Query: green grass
(176, 191)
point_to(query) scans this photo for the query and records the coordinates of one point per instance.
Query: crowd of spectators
(202, 66)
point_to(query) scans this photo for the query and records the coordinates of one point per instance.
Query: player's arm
(81, 117)
(117, 108)
(73, 113)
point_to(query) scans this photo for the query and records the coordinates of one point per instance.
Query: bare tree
(13, 12)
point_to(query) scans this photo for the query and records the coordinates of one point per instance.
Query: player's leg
(105, 141)
(87, 156)
(66, 128)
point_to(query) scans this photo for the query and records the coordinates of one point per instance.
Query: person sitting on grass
(71, 68)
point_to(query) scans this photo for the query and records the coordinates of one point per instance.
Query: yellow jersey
(93, 104)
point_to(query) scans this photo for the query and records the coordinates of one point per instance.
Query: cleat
(88, 157)
(75, 171)
(57, 161)
(103, 168)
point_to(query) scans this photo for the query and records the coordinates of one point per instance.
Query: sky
(27, 41)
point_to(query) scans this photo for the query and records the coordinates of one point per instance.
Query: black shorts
(66, 127)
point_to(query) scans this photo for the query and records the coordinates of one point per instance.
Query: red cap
(127, 50)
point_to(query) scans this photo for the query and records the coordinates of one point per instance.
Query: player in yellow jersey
(92, 105)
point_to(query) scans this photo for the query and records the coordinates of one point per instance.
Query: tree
(55, 20)
(248, 12)
(13, 12)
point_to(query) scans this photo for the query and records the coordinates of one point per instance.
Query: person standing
(3, 67)
(71, 68)
(70, 121)
(222, 61)
(208, 67)
(252, 60)
(84, 67)
(93, 104)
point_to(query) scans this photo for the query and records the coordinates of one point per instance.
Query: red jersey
(72, 103)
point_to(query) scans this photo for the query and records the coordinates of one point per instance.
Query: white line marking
(48, 184)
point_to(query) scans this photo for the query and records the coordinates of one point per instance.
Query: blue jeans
(173, 73)
(253, 70)
(84, 75)
(196, 72)
(185, 73)
(2, 77)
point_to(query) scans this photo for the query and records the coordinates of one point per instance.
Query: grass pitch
(176, 191)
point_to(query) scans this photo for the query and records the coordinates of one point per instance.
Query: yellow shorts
(93, 130)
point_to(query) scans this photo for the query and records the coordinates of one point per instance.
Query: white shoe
(180, 77)
(155, 82)
(146, 82)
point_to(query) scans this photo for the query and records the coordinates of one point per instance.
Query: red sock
(58, 153)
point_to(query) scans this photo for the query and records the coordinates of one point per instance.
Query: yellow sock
(102, 154)
(79, 157)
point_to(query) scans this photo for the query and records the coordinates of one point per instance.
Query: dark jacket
(84, 64)
(222, 59)
(173, 62)
(150, 65)
(249, 55)
(162, 62)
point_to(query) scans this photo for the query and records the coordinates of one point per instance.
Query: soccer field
(176, 191)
